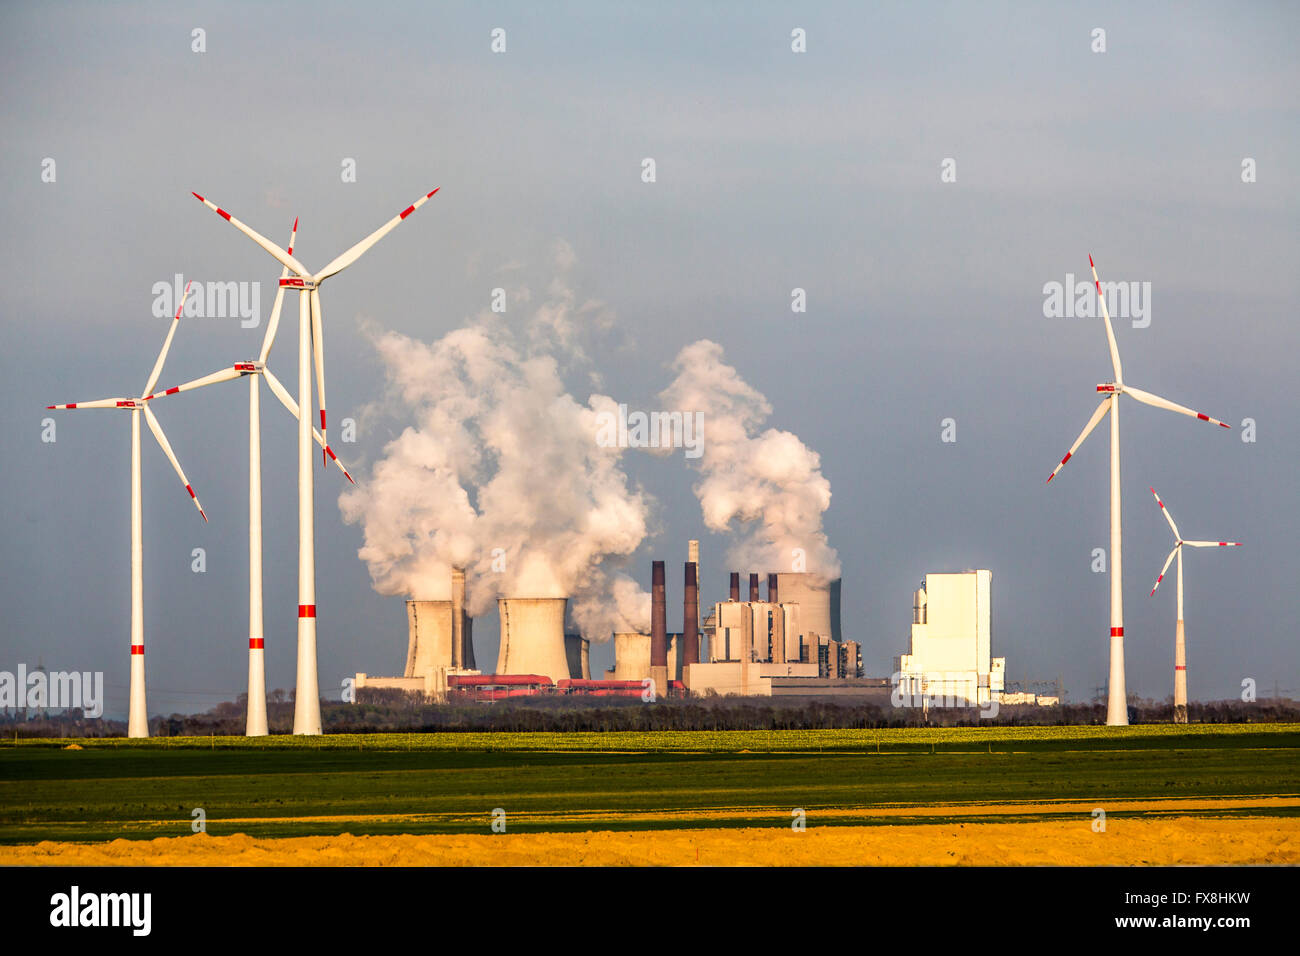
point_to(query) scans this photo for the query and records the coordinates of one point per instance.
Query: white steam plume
(764, 487)
(500, 473)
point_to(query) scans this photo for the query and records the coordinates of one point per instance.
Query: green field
(445, 783)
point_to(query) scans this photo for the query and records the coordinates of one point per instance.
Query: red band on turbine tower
(137, 649)
(1180, 667)
(256, 643)
(1117, 632)
(306, 610)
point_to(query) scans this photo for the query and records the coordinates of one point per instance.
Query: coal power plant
(788, 643)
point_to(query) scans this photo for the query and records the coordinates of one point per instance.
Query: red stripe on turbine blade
(1204, 418)
(137, 649)
(435, 189)
(406, 212)
(71, 405)
(190, 490)
(1117, 632)
(1090, 260)
(306, 610)
(322, 419)
(1223, 544)
(173, 390)
(256, 643)
(198, 197)
(1224, 425)
(223, 214)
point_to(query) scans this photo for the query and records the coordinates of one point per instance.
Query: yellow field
(1127, 841)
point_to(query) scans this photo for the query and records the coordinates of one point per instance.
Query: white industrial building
(950, 654)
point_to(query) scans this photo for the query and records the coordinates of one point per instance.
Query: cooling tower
(691, 618)
(429, 636)
(532, 637)
(818, 600)
(772, 589)
(735, 586)
(753, 588)
(631, 656)
(577, 650)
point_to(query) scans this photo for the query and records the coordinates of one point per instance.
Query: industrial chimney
(691, 618)
(458, 628)
(658, 628)
(772, 591)
(753, 588)
(735, 585)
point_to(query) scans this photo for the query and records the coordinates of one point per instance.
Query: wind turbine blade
(318, 347)
(269, 339)
(156, 428)
(238, 370)
(98, 403)
(1092, 423)
(283, 257)
(1110, 332)
(355, 253)
(1155, 400)
(167, 344)
(1213, 544)
(1168, 517)
(1166, 567)
(288, 401)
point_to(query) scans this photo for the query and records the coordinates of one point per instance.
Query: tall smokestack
(772, 589)
(735, 585)
(691, 618)
(753, 587)
(458, 617)
(658, 617)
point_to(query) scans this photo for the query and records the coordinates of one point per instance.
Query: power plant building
(950, 652)
(756, 645)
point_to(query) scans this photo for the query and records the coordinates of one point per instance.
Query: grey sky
(775, 170)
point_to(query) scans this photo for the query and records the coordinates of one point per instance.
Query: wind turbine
(1117, 700)
(138, 714)
(1180, 647)
(256, 725)
(306, 716)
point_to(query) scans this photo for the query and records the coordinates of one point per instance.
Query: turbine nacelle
(299, 284)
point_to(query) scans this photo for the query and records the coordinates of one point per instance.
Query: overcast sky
(775, 170)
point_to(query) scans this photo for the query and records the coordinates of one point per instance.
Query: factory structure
(950, 653)
(784, 643)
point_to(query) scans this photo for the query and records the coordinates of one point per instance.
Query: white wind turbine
(256, 719)
(306, 716)
(1117, 699)
(1180, 647)
(138, 714)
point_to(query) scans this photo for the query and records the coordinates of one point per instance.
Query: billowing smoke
(764, 487)
(500, 473)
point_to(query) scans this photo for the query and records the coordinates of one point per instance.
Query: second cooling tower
(532, 637)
